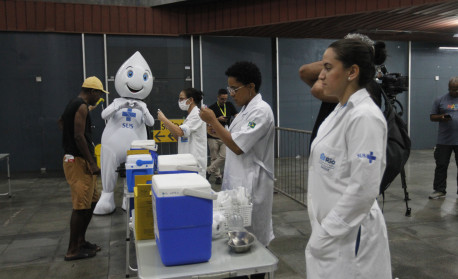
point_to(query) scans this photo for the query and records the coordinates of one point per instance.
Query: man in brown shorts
(80, 167)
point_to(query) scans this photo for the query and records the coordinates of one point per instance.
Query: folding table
(7, 157)
(222, 264)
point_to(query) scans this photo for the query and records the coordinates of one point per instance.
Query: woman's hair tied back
(195, 94)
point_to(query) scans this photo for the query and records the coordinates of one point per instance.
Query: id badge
(184, 139)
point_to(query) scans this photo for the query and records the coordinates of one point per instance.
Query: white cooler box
(149, 145)
(182, 208)
(177, 163)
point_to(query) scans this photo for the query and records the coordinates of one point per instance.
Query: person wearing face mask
(192, 134)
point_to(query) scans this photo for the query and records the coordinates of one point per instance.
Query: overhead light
(449, 48)
(455, 35)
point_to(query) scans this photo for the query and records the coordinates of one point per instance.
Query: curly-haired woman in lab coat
(250, 146)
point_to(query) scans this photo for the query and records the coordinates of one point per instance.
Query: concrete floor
(35, 230)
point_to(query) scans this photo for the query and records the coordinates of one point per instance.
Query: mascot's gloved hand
(147, 117)
(133, 104)
(116, 105)
(127, 103)
(142, 106)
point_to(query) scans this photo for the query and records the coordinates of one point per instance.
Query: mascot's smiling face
(134, 78)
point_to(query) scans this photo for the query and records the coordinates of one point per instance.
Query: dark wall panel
(298, 108)
(79, 18)
(60, 18)
(30, 15)
(427, 63)
(196, 77)
(236, 14)
(361, 5)
(106, 20)
(21, 19)
(95, 66)
(141, 21)
(29, 108)
(397, 61)
(2, 18)
(70, 17)
(10, 15)
(96, 16)
(84, 18)
(185, 19)
(221, 52)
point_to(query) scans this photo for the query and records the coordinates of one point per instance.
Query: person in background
(191, 134)
(80, 167)
(309, 74)
(250, 146)
(224, 111)
(346, 164)
(445, 111)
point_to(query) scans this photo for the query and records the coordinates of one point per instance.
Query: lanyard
(223, 112)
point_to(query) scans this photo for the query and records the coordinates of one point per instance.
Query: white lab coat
(346, 166)
(194, 140)
(253, 130)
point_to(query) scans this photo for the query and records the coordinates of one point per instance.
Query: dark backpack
(398, 145)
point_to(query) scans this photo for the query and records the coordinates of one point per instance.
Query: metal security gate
(291, 163)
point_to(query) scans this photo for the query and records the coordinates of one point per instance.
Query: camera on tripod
(398, 144)
(392, 83)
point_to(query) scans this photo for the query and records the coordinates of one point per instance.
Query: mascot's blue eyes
(145, 76)
(130, 73)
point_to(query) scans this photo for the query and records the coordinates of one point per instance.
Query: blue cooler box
(137, 164)
(149, 145)
(182, 224)
(177, 163)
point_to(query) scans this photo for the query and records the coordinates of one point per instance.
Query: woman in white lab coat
(192, 134)
(250, 145)
(349, 237)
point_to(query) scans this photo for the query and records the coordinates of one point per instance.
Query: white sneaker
(436, 195)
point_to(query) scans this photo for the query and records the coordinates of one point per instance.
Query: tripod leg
(406, 194)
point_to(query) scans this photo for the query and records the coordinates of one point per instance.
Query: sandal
(90, 246)
(82, 254)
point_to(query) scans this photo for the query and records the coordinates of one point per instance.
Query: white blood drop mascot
(126, 118)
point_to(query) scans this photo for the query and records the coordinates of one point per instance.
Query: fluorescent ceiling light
(449, 48)
(455, 35)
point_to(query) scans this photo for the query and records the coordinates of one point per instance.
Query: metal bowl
(240, 241)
